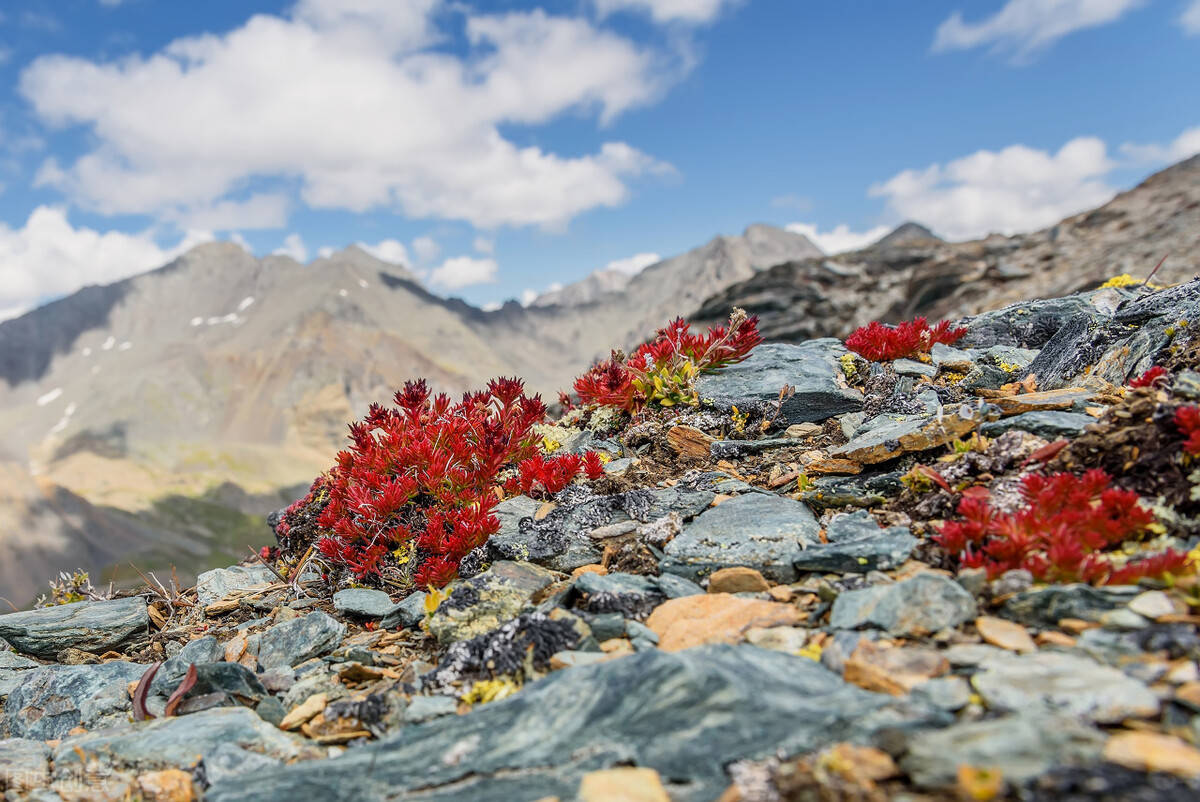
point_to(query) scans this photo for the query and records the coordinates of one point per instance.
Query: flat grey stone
(811, 368)
(363, 602)
(24, 765)
(945, 693)
(686, 715)
(922, 605)
(763, 532)
(170, 673)
(1050, 424)
(482, 603)
(1063, 683)
(52, 700)
(1021, 748)
(227, 760)
(424, 708)
(631, 595)
(295, 641)
(177, 742)
(90, 626)
(214, 585)
(13, 668)
(910, 367)
(857, 544)
(408, 613)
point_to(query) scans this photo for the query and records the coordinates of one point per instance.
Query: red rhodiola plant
(1152, 377)
(419, 481)
(664, 370)
(1061, 534)
(1187, 418)
(881, 343)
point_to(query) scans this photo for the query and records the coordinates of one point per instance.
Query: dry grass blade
(189, 682)
(140, 713)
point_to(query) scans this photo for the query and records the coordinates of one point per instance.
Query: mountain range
(160, 416)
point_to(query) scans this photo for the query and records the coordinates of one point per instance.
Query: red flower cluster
(1187, 418)
(663, 369)
(1060, 534)
(881, 343)
(542, 477)
(421, 479)
(1150, 377)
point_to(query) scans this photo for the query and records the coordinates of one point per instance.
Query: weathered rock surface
(24, 765)
(214, 585)
(922, 605)
(91, 626)
(12, 670)
(52, 700)
(685, 715)
(295, 641)
(857, 544)
(480, 604)
(811, 368)
(363, 602)
(766, 533)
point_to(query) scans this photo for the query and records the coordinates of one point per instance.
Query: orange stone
(594, 568)
(714, 618)
(1005, 634)
(737, 579)
(169, 785)
(892, 670)
(1151, 751)
(625, 784)
(1052, 638)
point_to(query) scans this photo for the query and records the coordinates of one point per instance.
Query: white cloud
(49, 257)
(491, 306)
(267, 210)
(840, 238)
(426, 248)
(1024, 27)
(388, 250)
(355, 102)
(693, 12)
(1183, 146)
(632, 265)
(1015, 189)
(485, 245)
(464, 271)
(528, 296)
(1190, 18)
(293, 246)
(325, 252)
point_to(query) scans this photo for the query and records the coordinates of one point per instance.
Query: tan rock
(626, 784)
(544, 510)
(1153, 604)
(893, 670)
(594, 568)
(283, 614)
(852, 762)
(616, 647)
(1052, 638)
(833, 466)
(714, 618)
(1151, 751)
(235, 647)
(169, 785)
(1064, 398)
(803, 430)
(737, 579)
(1076, 625)
(778, 639)
(1005, 634)
(1189, 694)
(688, 441)
(781, 593)
(931, 435)
(304, 711)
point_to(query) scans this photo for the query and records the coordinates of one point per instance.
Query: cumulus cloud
(632, 265)
(840, 238)
(464, 271)
(692, 12)
(48, 257)
(1190, 18)
(484, 245)
(358, 105)
(1011, 190)
(1025, 27)
(293, 246)
(1183, 146)
(528, 296)
(388, 250)
(426, 248)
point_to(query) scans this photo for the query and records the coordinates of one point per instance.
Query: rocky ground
(748, 606)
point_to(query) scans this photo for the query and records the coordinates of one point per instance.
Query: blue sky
(497, 147)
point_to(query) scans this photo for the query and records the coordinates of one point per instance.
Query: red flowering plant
(414, 492)
(1187, 418)
(1154, 376)
(664, 370)
(882, 343)
(1061, 534)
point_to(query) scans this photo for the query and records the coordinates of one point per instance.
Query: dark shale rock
(630, 595)
(685, 714)
(925, 604)
(177, 742)
(511, 650)
(295, 641)
(863, 490)
(1032, 324)
(1108, 782)
(811, 368)
(171, 672)
(1046, 606)
(53, 700)
(1077, 347)
(1050, 424)
(407, 613)
(480, 604)
(733, 449)
(766, 533)
(90, 626)
(1019, 747)
(857, 545)
(229, 679)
